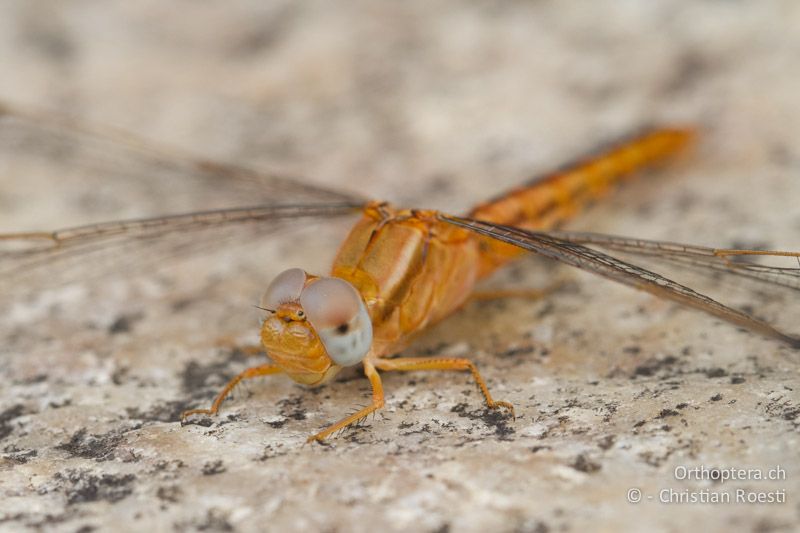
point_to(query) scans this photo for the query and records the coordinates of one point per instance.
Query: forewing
(117, 171)
(95, 155)
(575, 254)
(30, 261)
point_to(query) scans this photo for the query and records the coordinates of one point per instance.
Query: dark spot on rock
(682, 405)
(17, 456)
(37, 378)
(785, 410)
(277, 423)
(169, 493)
(425, 429)
(498, 418)
(52, 41)
(539, 448)
(667, 413)
(651, 366)
(584, 464)
(58, 404)
(782, 155)
(265, 31)
(633, 350)
(163, 464)
(640, 423)
(98, 447)
(716, 373)
(689, 69)
(212, 468)
(195, 377)
(540, 527)
(167, 469)
(736, 380)
(520, 350)
(271, 452)
(547, 309)
(717, 397)
(169, 411)
(118, 377)
(183, 303)
(124, 323)
(606, 442)
(214, 520)
(292, 407)
(81, 486)
(15, 411)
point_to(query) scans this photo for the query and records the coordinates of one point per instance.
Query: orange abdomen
(547, 201)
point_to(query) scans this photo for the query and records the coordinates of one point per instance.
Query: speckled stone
(434, 104)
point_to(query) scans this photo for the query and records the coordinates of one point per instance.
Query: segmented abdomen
(547, 201)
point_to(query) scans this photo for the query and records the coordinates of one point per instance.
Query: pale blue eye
(286, 287)
(337, 313)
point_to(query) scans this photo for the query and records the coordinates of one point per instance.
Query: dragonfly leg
(256, 371)
(377, 403)
(426, 363)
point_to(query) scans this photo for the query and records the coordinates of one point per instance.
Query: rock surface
(435, 104)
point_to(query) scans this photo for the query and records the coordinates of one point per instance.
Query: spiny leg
(377, 403)
(256, 371)
(425, 363)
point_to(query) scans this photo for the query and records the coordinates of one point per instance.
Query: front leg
(428, 363)
(377, 403)
(256, 371)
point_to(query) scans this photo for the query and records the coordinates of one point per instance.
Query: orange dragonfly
(396, 273)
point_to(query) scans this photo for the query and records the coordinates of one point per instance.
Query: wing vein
(578, 255)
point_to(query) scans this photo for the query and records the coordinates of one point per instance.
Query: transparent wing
(210, 194)
(94, 155)
(558, 246)
(37, 260)
(714, 260)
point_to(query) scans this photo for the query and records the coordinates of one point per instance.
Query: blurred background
(426, 104)
(443, 98)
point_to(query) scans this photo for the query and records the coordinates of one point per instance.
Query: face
(315, 325)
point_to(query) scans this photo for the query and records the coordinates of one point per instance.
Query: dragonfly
(397, 272)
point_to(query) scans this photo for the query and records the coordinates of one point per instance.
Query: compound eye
(335, 309)
(286, 287)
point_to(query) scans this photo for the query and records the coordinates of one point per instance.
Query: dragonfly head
(316, 325)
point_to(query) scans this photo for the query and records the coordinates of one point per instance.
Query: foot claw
(187, 414)
(506, 405)
(316, 438)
